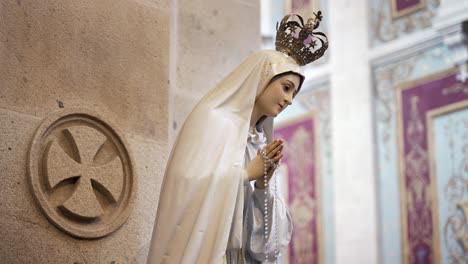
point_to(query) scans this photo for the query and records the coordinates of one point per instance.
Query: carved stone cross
(107, 178)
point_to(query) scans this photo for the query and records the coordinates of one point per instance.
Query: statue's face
(278, 95)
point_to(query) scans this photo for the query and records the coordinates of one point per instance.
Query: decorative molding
(389, 25)
(396, 68)
(404, 48)
(414, 100)
(81, 173)
(457, 226)
(455, 231)
(385, 83)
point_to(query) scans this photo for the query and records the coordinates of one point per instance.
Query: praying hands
(256, 168)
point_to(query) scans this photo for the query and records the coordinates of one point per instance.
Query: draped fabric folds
(201, 201)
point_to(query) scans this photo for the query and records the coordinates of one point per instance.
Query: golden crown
(300, 41)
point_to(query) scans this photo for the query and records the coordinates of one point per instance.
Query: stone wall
(108, 58)
(87, 90)
(212, 37)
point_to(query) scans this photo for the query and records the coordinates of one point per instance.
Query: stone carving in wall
(81, 174)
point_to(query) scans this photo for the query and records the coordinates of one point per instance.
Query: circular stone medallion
(81, 173)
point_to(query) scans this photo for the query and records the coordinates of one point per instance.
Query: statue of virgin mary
(209, 209)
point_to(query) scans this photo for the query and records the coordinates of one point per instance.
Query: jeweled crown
(299, 40)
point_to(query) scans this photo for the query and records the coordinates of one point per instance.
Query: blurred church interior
(376, 142)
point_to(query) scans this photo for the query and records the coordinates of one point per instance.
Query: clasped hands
(256, 167)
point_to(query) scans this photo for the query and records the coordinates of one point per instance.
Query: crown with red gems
(299, 40)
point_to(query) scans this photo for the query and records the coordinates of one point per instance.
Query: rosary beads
(267, 163)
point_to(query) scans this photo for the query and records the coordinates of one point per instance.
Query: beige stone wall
(212, 38)
(139, 65)
(110, 57)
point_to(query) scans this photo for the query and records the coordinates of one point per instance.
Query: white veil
(201, 201)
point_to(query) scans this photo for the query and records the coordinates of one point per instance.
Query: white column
(353, 137)
(266, 27)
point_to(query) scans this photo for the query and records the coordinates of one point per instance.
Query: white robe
(255, 245)
(200, 210)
